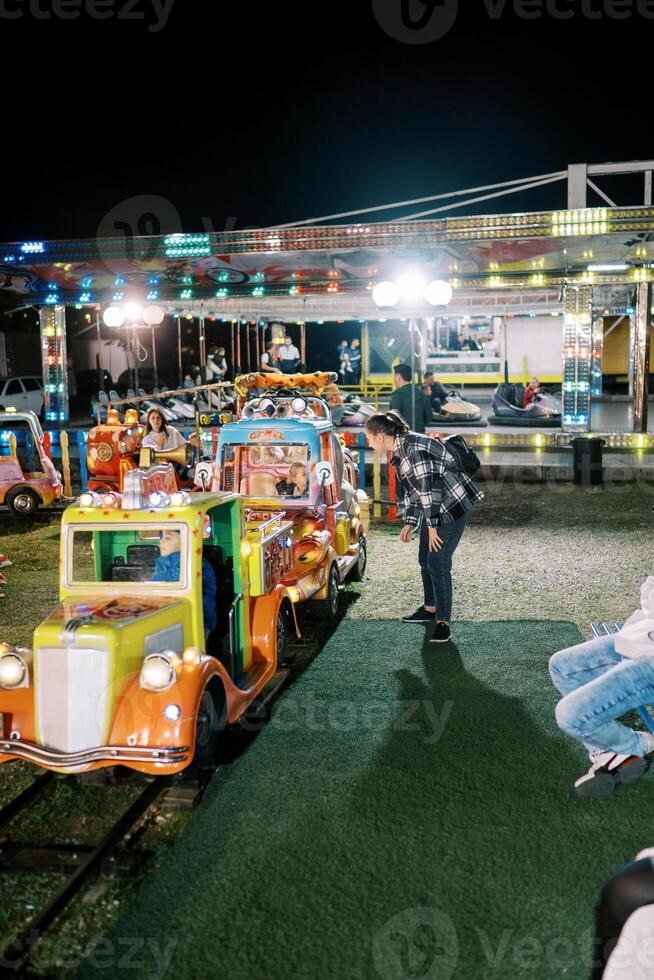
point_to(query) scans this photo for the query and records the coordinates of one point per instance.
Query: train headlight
(157, 672)
(180, 499)
(13, 670)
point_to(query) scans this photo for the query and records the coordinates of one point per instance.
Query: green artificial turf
(407, 812)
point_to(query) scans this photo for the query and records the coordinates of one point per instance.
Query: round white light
(412, 288)
(158, 499)
(386, 294)
(87, 499)
(299, 405)
(153, 315)
(133, 312)
(114, 316)
(180, 499)
(157, 672)
(439, 293)
(109, 500)
(12, 670)
(172, 712)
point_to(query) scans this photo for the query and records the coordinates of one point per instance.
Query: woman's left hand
(435, 543)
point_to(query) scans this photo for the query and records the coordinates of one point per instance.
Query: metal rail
(25, 798)
(17, 953)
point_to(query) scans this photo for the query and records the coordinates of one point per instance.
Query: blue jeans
(599, 686)
(436, 566)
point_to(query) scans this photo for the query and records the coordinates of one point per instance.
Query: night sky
(262, 113)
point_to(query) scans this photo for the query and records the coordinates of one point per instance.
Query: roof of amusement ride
(330, 271)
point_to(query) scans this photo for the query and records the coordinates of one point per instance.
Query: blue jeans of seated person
(436, 566)
(599, 686)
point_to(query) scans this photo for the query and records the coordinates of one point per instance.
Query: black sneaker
(420, 616)
(608, 770)
(442, 633)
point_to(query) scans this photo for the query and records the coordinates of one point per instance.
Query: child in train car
(167, 569)
(295, 485)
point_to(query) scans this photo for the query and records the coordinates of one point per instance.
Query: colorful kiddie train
(175, 608)
(284, 456)
(173, 617)
(28, 478)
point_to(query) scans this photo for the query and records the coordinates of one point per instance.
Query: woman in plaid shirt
(438, 496)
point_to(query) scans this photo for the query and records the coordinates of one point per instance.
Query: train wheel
(210, 723)
(328, 608)
(282, 631)
(359, 568)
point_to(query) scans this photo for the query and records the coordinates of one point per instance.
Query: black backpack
(466, 459)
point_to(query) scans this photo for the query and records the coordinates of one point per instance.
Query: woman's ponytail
(388, 424)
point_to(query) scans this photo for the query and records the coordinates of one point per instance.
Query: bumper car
(353, 412)
(456, 411)
(544, 411)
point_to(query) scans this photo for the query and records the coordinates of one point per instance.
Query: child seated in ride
(295, 484)
(531, 391)
(167, 569)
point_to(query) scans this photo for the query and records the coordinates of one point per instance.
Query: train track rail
(15, 958)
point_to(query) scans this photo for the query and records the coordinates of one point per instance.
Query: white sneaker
(607, 770)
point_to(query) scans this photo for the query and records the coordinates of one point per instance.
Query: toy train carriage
(141, 665)
(28, 478)
(285, 457)
(112, 450)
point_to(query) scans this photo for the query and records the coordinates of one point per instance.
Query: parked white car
(22, 393)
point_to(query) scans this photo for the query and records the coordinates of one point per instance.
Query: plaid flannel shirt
(433, 486)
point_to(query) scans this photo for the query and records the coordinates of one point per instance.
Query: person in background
(289, 356)
(296, 483)
(268, 362)
(167, 569)
(434, 391)
(531, 391)
(343, 351)
(161, 436)
(438, 498)
(355, 361)
(601, 681)
(402, 400)
(216, 365)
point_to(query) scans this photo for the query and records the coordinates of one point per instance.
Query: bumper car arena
(218, 703)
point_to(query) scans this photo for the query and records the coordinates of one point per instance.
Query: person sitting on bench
(167, 569)
(601, 681)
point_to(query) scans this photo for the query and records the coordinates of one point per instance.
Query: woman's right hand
(161, 439)
(405, 533)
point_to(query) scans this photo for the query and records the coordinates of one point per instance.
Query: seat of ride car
(260, 484)
(512, 393)
(141, 559)
(218, 639)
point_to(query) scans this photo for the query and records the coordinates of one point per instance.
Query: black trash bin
(587, 461)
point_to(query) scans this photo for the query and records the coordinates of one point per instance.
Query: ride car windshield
(271, 470)
(149, 555)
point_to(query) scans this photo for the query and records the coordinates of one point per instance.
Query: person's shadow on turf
(476, 784)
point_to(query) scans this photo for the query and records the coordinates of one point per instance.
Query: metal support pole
(303, 343)
(577, 186)
(632, 354)
(203, 349)
(257, 346)
(180, 370)
(642, 353)
(577, 355)
(154, 358)
(232, 350)
(365, 347)
(99, 361)
(413, 371)
(135, 344)
(238, 344)
(648, 188)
